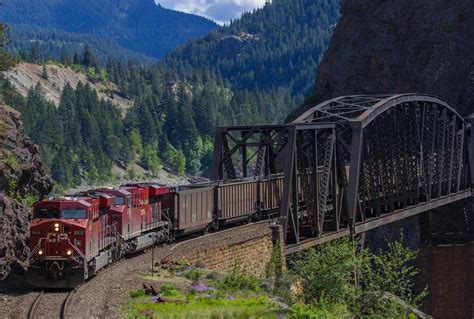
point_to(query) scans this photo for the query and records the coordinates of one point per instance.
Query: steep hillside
(139, 25)
(401, 46)
(277, 46)
(25, 76)
(22, 180)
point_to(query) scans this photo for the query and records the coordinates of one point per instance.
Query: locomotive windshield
(119, 201)
(46, 213)
(73, 213)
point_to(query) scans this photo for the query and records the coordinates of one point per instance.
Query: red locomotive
(74, 237)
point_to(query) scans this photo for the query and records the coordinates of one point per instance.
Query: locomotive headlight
(56, 227)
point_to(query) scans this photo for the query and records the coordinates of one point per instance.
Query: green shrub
(137, 293)
(283, 289)
(374, 304)
(193, 274)
(393, 271)
(28, 200)
(371, 285)
(328, 271)
(12, 185)
(214, 276)
(200, 264)
(237, 280)
(11, 160)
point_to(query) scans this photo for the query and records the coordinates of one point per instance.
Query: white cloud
(219, 10)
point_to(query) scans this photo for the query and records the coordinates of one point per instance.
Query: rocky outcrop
(382, 46)
(22, 180)
(233, 44)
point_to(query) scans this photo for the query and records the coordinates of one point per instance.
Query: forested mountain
(43, 44)
(277, 46)
(139, 25)
(253, 71)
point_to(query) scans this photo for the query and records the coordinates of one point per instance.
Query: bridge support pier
(447, 271)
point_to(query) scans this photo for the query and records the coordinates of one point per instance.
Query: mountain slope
(26, 76)
(139, 25)
(398, 47)
(277, 46)
(55, 44)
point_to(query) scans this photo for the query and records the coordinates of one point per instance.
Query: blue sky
(220, 11)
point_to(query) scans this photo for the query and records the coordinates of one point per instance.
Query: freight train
(73, 237)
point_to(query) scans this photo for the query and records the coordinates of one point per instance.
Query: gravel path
(103, 295)
(100, 297)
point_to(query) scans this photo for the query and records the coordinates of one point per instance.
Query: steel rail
(65, 304)
(34, 306)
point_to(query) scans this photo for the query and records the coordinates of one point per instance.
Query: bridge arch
(366, 108)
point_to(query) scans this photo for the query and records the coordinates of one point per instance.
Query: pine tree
(44, 73)
(6, 60)
(76, 59)
(89, 59)
(35, 51)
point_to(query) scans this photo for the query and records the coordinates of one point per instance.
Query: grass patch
(186, 292)
(189, 292)
(169, 290)
(200, 307)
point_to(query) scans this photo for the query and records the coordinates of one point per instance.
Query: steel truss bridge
(355, 163)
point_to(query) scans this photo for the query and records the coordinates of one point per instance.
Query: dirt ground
(100, 297)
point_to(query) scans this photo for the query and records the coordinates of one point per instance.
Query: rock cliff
(22, 180)
(402, 46)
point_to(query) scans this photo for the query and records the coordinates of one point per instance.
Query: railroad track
(34, 306)
(33, 311)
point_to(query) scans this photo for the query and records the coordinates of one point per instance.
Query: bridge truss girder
(374, 159)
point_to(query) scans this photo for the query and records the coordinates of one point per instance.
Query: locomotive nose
(50, 239)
